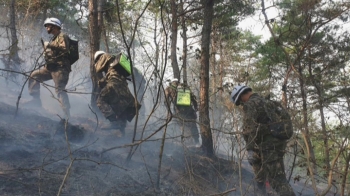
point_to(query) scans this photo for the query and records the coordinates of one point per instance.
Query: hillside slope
(44, 155)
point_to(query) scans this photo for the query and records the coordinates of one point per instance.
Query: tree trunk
(344, 179)
(221, 70)
(157, 70)
(184, 44)
(310, 155)
(100, 9)
(320, 93)
(94, 31)
(13, 56)
(173, 56)
(207, 140)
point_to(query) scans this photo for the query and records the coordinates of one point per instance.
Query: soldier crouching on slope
(115, 99)
(185, 110)
(265, 152)
(57, 66)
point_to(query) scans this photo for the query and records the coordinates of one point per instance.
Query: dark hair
(246, 91)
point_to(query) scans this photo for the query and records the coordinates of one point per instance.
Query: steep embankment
(42, 155)
(36, 158)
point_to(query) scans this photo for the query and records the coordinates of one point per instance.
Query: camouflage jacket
(111, 74)
(187, 111)
(103, 61)
(114, 87)
(57, 51)
(256, 133)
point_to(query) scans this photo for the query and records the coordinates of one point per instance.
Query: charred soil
(44, 155)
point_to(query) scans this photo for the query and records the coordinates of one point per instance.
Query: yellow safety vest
(183, 96)
(125, 63)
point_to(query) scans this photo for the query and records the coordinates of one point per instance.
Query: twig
(139, 142)
(161, 154)
(224, 193)
(70, 155)
(97, 122)
(65, 177)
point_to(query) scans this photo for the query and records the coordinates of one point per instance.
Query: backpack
(280, 122)
(73, 51)
(121, 63)
(183, 96)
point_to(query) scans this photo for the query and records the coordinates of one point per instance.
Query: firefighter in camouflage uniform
(57, 66)
(265, 152)
(115, 100)
(185, 115)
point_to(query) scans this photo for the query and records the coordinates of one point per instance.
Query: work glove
(46, 45)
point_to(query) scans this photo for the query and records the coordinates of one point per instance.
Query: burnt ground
(43, 156)
(40, 154)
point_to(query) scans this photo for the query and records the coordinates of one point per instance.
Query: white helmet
(237, 91)
(97, 54)
(53, 21)
(174, 80)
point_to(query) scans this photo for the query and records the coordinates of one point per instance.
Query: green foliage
(239, 47)
(308, 40)
(229, 13)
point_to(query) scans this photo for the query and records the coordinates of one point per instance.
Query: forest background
(303, 62)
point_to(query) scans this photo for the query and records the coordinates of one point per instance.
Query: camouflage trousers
(60, 77)
(268, 165)
(188, 126)
(116, 101)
